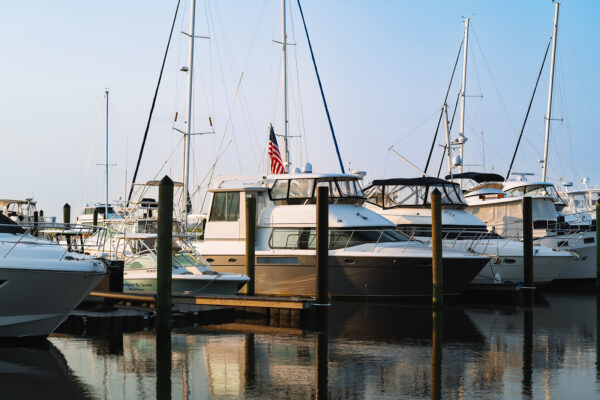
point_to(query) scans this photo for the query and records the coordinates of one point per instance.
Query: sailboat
(368, 257)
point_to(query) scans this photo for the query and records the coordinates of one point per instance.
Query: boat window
(142, 262)
(185, 260)
(225, 206)
(305, 238)
(301, 188)
(280, 189)
(515, 192)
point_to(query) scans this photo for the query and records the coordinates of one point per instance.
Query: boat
(405, 201)
(499, 205)
(191, 273)
(368, 256)
(40, 282)
(106, 214)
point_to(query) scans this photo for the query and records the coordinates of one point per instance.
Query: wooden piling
(436, 249)
(526, 387)
(597, 249)
(67, 215)
(164, 254)
(437, 340)
(163, 364)
(35, 223)
(250, 243)
(322, 245)
(95, 220)
(322, 366)
(528, 252)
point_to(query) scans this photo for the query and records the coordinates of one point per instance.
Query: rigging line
(565, 105)
(90, 154)
(493, 81)
(442, 112)
(417, 127)
(528, 110)
(312, 55)
(449, 130)
(137, 167)
(303, 125)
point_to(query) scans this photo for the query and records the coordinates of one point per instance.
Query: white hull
(34, 302)
(582, 264)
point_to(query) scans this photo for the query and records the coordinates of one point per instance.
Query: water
(375, 351)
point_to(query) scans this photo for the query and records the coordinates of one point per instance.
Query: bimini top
(478, 177)
(413, 192)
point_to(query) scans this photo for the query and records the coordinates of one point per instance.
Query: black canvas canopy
(478, 177)
(422, 181)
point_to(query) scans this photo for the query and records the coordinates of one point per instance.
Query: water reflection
(369, 351)
(33, 370)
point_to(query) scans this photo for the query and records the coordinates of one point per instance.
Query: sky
(384, 65)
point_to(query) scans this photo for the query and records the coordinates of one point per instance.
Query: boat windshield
(392, 196)
(546, 190)
(147, 261)
(302, 190)
(305, 238)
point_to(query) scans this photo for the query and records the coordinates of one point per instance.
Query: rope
(528, 109)
(312, 55)
(137, 167)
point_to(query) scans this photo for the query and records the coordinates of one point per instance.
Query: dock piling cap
(166, 180)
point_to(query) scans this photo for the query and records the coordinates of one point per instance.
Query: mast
(461, 134)
(106, 205)
(448, 144)
(187, 138)
(549, 110)
(286, 150)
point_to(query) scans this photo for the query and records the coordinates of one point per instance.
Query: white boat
(368, 257)
(499, 205)
(405, 201)
(106, 214)
(191, 274)
(40, 282)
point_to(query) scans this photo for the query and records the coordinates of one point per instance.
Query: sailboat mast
(461, 134)
(286, 150)
(448, 144)
(549, 110)
(187, 139)
(106, 205)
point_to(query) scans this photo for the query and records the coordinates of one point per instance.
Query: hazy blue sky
(384, 65)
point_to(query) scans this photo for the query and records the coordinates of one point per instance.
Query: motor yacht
(40, 282)
(406, 202)
(368, 256)
(499, 205)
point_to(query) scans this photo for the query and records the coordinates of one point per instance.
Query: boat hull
(582, 265)
(352, 276)
(187, 286)
(34, 302)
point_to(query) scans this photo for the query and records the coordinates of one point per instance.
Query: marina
(265, 212)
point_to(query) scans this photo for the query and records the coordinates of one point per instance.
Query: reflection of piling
(163, 364)
(437, 339)
(597, 249)
(527, 352)
(436, 248)
(597, 339)
(35, 223)
(250, 243)
(95, 220)
(249, 361)
(322, 365)
(528, 251)
(164, 253)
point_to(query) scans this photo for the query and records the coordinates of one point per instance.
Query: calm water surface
(374, 351)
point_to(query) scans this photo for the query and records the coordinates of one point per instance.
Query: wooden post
(67, 222)
(528, 251)
(436, 249)
(322, 245)
(164, 254)
(250, 242)
(67, 215)
(527, 353)
(35, 223)
(163, 364)
(95, 220)
(597, 249)
(437, 340)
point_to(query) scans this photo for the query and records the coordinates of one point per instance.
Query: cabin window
(225, 206)
(305, 238)
(280, 190)
(301, 188)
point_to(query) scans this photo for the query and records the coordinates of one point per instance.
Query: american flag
(274, 156)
